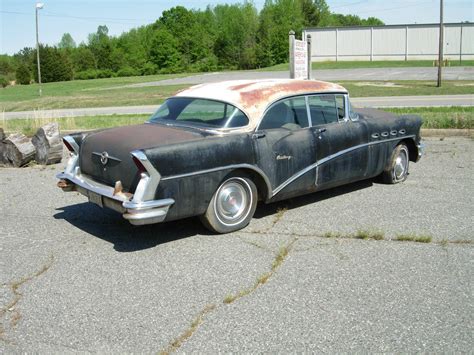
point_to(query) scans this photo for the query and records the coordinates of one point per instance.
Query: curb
(451, 132)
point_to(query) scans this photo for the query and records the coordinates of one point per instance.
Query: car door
(284, 147)
(340, 142)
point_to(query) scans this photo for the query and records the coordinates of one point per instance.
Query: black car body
(215, 149)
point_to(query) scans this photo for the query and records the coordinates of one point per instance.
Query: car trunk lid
(105, 155)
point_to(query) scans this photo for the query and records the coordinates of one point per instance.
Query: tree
(276, 20)
(235, 45)
(101, 46)
(67, 42)
(314, 11)
(164, 52)
(83, 59)
(55, 65)
(193, 42)
(23, 74)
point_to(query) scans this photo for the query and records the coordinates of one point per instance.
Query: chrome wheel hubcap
(401, 163)
(233, 201)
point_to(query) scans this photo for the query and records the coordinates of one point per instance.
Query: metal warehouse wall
(391, 42)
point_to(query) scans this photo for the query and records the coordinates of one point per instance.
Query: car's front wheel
(232, 206)
(397, 168)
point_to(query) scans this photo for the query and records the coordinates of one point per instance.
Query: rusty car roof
(254, 96)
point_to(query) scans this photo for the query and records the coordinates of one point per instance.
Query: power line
(85, 18)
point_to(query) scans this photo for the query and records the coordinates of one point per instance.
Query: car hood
(119, 142)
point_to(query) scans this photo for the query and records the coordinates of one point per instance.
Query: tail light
(68, 146)
(138, 163)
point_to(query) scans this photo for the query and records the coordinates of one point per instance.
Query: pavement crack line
(278, 261)
(9, 311)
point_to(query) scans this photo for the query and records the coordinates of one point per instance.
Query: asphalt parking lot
(74, 277)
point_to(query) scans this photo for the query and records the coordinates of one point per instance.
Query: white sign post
(300, 58)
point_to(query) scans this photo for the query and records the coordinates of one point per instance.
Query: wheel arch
(259, 179)
(412, 148)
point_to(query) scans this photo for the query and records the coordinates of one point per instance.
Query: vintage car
(214, 150)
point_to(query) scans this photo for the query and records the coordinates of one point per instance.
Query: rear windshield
(199, 112)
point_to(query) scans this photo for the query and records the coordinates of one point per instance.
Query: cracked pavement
(91, 282)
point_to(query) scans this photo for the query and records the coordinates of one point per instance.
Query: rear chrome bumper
(139, 208)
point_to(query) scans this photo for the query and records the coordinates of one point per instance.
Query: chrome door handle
(258, 135)
(322, 130)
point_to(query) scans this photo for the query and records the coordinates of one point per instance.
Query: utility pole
(441, 40)
(39, 6)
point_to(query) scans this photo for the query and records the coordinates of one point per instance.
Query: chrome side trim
(328, 158)
(232, 166)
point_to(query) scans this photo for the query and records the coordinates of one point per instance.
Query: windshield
(199, 112)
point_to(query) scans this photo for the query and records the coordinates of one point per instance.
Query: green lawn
(95, 93)
(87, 93)
(440, 117)
(375, 64)
(30, 126)
(407, 88)
(433, 117)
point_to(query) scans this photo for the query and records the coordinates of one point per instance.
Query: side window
(290, 114)
(341, 106)
(323, 109)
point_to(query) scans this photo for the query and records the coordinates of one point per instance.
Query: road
(75, 278)
(369, 74)
(388, 101)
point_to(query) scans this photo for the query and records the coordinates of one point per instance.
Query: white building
(391, 42)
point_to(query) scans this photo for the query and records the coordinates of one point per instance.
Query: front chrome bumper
(139, 208)
(421, 150)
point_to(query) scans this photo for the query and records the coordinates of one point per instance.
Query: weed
(364, 234)
(176, 344)
(414, 238)
(332, 235)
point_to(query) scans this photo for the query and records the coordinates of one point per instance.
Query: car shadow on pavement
(111, 227)
(264, 210)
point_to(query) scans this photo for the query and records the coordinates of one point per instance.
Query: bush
(128, 71)
(23, 75)
(149, 69)
(3, 81)
(86, 75)
(106, 73)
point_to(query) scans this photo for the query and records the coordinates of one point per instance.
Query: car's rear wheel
(232, 206)
(397, 168)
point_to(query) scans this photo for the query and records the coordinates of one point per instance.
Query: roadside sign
(300, 57)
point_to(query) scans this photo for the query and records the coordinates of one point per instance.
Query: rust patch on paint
(253, 96)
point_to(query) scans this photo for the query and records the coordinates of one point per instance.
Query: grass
(414, 238)
(368, 64)
(30, 126)
(407, 88)
(114, 91)
(87, 93)
(262, 279)
(364, 234)
(433, 117)
(441, 117)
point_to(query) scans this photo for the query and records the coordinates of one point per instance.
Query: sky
(81, 17)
